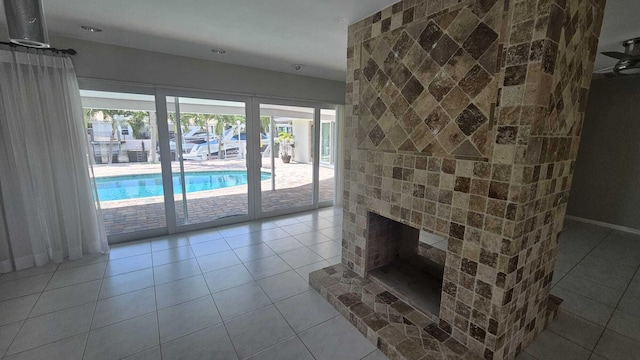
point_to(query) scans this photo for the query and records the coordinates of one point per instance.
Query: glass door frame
(253, 156)
(161, 96)
(315, 204)
(335, 143)
(330, 139)
(163, 134)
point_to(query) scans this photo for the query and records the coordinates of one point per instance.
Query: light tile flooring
(241, 292)
(236, 292)
(597, 276)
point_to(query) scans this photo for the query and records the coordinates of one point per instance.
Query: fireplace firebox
(407, 265)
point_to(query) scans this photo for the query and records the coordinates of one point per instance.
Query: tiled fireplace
(463, 119)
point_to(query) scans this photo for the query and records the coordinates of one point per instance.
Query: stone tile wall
(428, 86)
(463, 119)
(551, 103)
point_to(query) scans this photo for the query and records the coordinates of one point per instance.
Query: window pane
(212, 137)
(123, 142)
(287, 156)
(327, 155)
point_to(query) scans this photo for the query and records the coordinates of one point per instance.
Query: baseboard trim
(24, 262)
(5, 266)
(604, 224)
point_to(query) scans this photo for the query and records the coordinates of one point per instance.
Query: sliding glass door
(208, 154)
(169, 161)
(287, 155)
(122, 131)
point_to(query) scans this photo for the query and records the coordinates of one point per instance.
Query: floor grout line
(155, 297)
(290, 268)
(273, 303)
(226, 330)
(581, 259)
(29, 313)
(606, 327)
(151, 268)
(93, 313)
(573, 267)
(36, 302)
(615, 308)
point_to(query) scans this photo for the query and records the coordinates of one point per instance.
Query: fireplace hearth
(415, 280)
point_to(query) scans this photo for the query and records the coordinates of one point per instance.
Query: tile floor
(597, 276)
(240, 292)
(237, 292)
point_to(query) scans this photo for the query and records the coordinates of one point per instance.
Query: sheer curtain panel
(47, 193)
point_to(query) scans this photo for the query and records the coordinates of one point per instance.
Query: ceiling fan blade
(617, 55)
(604, 71)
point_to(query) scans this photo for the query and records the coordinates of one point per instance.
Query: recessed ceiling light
(218, 51)
(91, 28)
(297, 67)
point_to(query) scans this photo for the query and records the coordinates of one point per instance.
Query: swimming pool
(140, 186)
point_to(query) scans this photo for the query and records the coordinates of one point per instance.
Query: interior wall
(108, 62)
(605, 184)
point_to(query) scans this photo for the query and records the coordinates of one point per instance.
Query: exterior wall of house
(302, 151)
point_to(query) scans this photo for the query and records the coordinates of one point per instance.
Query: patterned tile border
(398, 329)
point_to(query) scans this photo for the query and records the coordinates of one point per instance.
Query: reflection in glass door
(122, 131)
(287, 157)
(208, 159)
(327, 150)
(326, 128)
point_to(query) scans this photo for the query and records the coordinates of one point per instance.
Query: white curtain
(47, 192)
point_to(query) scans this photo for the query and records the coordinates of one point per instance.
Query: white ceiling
(620, 23)
(267, 34)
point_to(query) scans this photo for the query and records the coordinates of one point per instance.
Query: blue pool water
(141, 186)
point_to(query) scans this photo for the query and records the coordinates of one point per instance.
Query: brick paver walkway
(293, 189)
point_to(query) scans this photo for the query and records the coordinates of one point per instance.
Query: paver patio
(293, 189)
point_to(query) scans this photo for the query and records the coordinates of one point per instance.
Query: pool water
(141, 186)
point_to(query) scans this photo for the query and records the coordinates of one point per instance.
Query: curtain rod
(62, 51)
